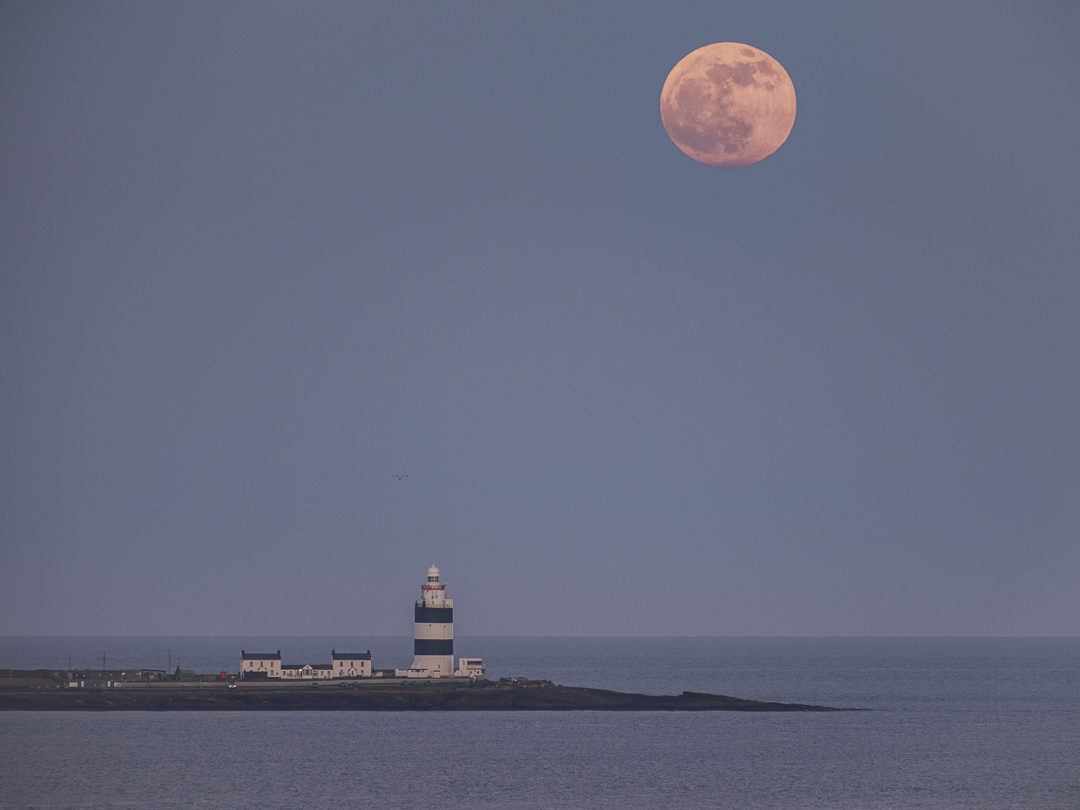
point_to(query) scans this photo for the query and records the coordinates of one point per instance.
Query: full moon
(728, 105)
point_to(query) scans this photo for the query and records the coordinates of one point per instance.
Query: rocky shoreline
(484, 696)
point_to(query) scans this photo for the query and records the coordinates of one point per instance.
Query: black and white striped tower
(433, 644)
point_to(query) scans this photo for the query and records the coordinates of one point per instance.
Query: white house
(351, 665)
(306, 672)
(260, 665)
(268, 665)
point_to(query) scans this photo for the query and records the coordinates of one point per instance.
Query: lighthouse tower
(433, 645)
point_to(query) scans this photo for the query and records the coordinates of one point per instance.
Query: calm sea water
(955, 723)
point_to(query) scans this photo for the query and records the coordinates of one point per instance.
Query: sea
(979, 723)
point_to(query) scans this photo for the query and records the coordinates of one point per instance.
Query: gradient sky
(257, 258)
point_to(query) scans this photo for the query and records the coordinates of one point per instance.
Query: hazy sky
(257, 258)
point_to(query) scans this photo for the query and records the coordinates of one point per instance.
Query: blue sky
(258, 258)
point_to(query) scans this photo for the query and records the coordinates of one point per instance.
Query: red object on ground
(223, 675)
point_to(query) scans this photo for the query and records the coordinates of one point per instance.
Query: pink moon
(728, 105)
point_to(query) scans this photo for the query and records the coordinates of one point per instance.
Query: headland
(42, 692)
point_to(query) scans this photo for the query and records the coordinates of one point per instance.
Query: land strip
(486, 696)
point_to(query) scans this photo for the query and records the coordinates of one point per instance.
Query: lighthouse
(433, 644)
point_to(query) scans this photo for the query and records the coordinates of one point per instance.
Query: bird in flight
(398, 477)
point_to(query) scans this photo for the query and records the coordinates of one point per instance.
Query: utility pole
(103, 665)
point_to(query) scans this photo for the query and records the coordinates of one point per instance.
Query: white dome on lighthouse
(433, 574)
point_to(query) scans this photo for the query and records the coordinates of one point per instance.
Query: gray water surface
(955, 723)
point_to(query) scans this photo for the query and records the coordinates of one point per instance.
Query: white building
(471, 667)
(260, 665)
(268, 665)
(306, 672)
(351, 665)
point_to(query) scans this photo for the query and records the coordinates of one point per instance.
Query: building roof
(336, 656)
(246, 656)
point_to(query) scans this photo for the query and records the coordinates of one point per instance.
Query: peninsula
(517, 695)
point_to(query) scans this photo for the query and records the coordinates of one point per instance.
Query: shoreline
(483, 696)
